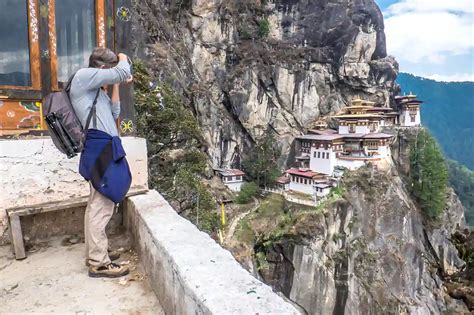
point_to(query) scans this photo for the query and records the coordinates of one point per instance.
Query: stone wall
(33, 171)
(189, 272)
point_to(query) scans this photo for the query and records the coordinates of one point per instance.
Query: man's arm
(115, 100)
(100, 77)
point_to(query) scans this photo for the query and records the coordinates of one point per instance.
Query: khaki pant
(98, 214)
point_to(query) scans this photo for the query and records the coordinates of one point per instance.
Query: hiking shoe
(113, 255)
(112, 270)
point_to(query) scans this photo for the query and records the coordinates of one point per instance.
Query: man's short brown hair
(102, 56)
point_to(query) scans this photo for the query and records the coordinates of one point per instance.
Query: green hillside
(448, 111)
(462, 181)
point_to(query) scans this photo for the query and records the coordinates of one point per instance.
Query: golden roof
(358, 116)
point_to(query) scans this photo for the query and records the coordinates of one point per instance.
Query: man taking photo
(103, 161)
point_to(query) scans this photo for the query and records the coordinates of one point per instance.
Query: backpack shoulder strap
(92, 113)
(67, 88)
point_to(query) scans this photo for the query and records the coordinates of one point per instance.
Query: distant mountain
(448, 112)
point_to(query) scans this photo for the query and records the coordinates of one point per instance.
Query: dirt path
(236, 220)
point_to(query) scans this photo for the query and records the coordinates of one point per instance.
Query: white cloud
(459, 77)
(429, 31)
(460, 6)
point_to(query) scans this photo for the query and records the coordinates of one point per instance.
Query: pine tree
(428, 174)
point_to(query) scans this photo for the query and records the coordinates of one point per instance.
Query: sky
(431, 38)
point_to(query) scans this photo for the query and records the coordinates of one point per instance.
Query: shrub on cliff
(263, 28)
(428, 174)
(261, 164)
(247, 192)
(176, 164)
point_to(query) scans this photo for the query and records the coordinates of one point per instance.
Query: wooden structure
(43, 43)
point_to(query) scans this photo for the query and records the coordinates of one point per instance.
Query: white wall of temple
(405, 119)
(343, 130)
(302, 188)
(231, 179)
(350, 164)
(322, 161)
(235, 186)
(362, 129)
(383, 151)
(324, 192)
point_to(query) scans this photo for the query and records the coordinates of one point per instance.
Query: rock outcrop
(251, 67)
(372, 251)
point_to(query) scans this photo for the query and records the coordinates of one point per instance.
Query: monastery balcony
(360, 158)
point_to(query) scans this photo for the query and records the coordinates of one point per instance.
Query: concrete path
(54, 280)
(236, 220)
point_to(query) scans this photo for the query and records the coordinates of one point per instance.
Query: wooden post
(17, 237)
(100, 23)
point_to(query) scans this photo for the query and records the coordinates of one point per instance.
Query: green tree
(247, 192)
(428, 174)
(261, 164)
(263, 27)
(176, 164)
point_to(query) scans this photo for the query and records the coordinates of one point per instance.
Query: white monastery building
(409, 110)
(232, 178)
(358, 140)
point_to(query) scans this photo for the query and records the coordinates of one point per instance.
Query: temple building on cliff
(358, 140)
(409, 110)
(232, 178)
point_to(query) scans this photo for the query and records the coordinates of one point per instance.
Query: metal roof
(303, 173)
(230, 172)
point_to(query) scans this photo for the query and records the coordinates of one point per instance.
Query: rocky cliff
(371, 251)
(247, 68)
(252, 67)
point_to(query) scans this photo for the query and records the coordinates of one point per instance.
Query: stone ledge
(190, 272)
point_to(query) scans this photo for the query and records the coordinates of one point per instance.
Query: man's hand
(129, 80)
(122, 57)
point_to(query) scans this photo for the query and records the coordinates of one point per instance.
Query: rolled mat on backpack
(103, 163)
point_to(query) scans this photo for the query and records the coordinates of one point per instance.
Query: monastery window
(238, 178)
(319, 155)
(75, 35)
(352, 129)
(327, 155)
(413, 118)
(17, 49)
(315, 154)
(305, 181)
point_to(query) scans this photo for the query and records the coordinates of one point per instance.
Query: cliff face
(371, 251)
(248, 68)
(251, 67)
